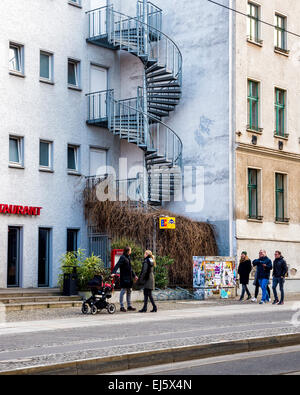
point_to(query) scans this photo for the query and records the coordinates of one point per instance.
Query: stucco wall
(201, 119)
(272, 70)
(36, 110)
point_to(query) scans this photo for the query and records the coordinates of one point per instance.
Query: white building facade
(60, 61)
(47, 67)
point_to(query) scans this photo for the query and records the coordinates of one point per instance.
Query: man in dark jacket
(264, 267)
(127, 276)
(280, 270)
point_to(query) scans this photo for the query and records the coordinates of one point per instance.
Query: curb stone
(158, 357)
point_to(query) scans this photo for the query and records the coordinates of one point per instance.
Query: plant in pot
(87, 268)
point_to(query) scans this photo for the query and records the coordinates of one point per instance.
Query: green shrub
(87, 268)
(161, 271)
(137, 256)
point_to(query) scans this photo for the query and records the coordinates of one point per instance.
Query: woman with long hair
(244, 271)
(147, 281)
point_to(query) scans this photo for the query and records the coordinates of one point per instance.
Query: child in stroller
(100, 294)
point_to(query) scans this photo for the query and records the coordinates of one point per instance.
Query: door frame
(50, 252)
(90, 74)
(20, 256)
(94, 147)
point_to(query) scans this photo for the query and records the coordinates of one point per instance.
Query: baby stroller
(100, 294)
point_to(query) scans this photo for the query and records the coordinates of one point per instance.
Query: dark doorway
(44, 257)
(72, 240)
(13, 257)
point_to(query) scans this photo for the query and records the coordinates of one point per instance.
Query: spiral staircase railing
(139, 119)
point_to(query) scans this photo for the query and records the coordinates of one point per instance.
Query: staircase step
(167, 77)
(166, 107)
(38, 299)
(154, 68)
(162, 72)
(157, 96)
(43, 305)
(153, 84)
(160, 113)
(164, 101)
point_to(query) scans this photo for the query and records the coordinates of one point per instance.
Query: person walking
(257, 287)
(244, 271)
(264, 267)
(127, 276)
(280, 269)
(147, 281)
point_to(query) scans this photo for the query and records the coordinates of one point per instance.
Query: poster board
(214, 276)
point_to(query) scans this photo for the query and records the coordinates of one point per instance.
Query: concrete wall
(201, 119)
(37, 110)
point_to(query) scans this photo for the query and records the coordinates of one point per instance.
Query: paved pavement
(76, 337)
(282, 361)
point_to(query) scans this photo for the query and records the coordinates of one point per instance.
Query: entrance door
(98, 162)
(13, 257)
(44, 257)
(98, 86)
(98, 18)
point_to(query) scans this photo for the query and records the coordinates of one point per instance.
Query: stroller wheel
(85, 308)
(111, 308)
(94, 310)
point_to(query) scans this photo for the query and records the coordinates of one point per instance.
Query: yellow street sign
(167, 223)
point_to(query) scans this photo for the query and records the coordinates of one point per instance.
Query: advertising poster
(213, 276)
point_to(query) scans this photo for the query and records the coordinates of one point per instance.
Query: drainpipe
(145, 20)
(145, 100)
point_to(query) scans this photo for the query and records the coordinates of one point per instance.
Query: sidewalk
(177, 324)
(69, 313)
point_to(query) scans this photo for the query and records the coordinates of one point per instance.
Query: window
(253, 23)
(16, 58)
(253, 105)
(72, 240)
(46, 66)
(280, 192)
(16, 150)
(45, 155)
(73, 73)
(280, 32)
(253, 193)
(280, 109)
(75, 2)
(73, 156)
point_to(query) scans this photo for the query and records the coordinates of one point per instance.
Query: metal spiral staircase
(139, 120)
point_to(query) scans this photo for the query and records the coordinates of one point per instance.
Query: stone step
(21, 292)
(42, 306)
(38, 299)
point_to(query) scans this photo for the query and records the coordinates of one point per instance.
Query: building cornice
(257, 150)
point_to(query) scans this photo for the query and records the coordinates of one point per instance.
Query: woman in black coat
(244, 271)
(147, 281)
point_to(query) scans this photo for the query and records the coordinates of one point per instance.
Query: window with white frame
(75, 2)
(16, 150)
(280, 34)
(46, 66)
(253, 23)
(16, 58)
(73, 158)
(73, 73)
(46, 160)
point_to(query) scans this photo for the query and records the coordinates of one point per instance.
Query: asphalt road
(282, 361)
(80, 337)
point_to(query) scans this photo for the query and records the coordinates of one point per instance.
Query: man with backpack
(280, 270)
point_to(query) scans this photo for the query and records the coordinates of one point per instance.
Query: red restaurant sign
(20, 210)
